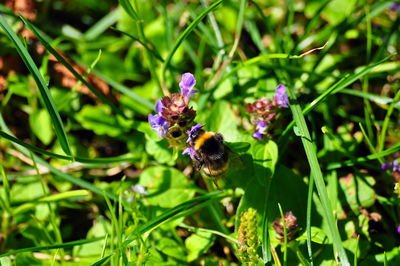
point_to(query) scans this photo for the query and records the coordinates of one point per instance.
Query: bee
(210, 153)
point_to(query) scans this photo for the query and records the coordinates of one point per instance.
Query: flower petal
(281, 96)
(190, 151)
(187, 83)
(159, 106)
(257, 135)
(159, 124)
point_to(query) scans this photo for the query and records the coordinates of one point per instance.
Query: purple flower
(398, 229)
(187, 83)
(159, 106)
(396, 165)
(386, 166)
(257, 135)
(192, 130)
(190, 151)
(159, 124)
(280, 97)
(262, 127)
(395, 7)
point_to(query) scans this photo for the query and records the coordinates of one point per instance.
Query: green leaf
(357, 192)
(223, 89)
(338, 10)
(167, 187)
(223, 120)
(99, 119)
(40, 122)
(44, 90)
(171, 248)
(160, 151)
(197, 244)
(317, 235)
(26, 192)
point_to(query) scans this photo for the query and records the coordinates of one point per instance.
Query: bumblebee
(210, 153)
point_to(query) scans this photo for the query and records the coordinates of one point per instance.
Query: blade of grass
(122, 158)
(184, 35)
(41, 84)
(254, 60)
(378, 99)
(308, 224)
(382, 136)
(285, 239)
(102, 25)
(368, 113)
(169, 214)
(134, 14)
(61, 59)
(52, 214)
(146, 104)
(69, 178)
(374, 156)
(214, 232)
(103, 260)
(218, 36)
(151, 50)
(68, 195)
(335, 88)
(56, 246)
(311, 154)
(126, 5)
(238, 33)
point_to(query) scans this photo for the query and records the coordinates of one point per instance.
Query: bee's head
(195, 132)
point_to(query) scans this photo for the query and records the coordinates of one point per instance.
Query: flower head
(386, 166)
(291, 225)
(261, 107)
(247, 236)
(261, 130)
(159, 124)
(280, 97)
(393, 166)
(187, 83)
(396, 165)
(175, 109)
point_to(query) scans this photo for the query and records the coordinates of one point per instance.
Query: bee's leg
(198, 164)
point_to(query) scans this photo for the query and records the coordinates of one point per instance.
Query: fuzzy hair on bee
(210, 153)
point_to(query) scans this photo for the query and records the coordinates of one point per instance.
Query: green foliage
(85, 179)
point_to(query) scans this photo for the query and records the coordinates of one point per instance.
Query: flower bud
(292, 227)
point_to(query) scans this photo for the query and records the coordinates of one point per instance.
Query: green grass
(72, 162)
